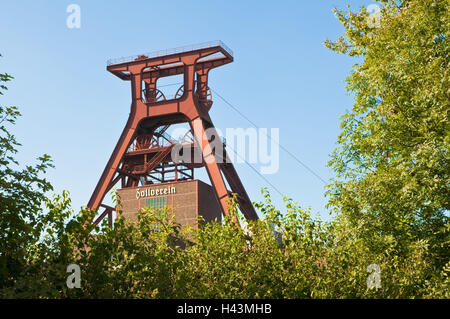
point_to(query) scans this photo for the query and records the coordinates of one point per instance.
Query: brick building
(189, 199)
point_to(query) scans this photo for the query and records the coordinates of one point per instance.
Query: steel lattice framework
(143, 152)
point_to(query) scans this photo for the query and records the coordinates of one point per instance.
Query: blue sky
(282, 77)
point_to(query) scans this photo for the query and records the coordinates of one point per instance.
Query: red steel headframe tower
(139, 152)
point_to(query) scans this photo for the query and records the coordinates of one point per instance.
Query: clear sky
(282, 77)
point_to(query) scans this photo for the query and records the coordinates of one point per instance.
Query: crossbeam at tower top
(161, 53)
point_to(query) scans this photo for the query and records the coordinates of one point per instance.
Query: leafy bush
(314, 259)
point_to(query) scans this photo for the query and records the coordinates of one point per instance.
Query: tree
(392, 163)
(22, 192)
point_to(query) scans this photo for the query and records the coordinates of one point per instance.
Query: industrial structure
(151, 167)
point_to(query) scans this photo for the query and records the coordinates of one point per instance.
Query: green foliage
(22, 191)
(392, 162)
(284, 255)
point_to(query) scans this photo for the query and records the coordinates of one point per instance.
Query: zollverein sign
(149, 192)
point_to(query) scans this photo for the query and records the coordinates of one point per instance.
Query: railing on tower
(183, 49)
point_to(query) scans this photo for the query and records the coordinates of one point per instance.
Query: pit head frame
(140, 153)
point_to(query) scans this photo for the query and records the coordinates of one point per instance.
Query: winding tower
(144, 154)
